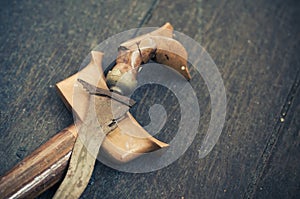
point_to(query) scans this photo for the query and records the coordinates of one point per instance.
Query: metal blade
(93, 90)
(92, 132)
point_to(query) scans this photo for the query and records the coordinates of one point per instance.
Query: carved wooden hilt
(158, 46)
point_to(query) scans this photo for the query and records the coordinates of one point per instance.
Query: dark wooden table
(255, 45)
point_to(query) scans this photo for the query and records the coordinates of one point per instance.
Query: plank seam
(149, 13)
(271, 142)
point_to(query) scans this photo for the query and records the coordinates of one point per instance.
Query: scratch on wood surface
(148, 15)
(263, 161)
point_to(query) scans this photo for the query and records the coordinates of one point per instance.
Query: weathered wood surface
(255, 44)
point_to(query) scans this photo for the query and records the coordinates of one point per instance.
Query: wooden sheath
(41, 169)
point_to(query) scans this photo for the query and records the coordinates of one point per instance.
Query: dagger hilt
(156, 46)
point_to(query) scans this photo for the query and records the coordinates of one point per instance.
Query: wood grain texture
(41, 169)
(255, 45)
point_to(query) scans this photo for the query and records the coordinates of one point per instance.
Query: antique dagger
(46, 166)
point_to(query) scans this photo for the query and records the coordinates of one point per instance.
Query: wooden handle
(41, 169)
(158, 46)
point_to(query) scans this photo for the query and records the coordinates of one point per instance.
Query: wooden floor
(255, 45)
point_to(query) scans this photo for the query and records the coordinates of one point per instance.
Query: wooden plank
(255, 45)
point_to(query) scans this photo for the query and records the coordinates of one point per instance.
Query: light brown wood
(165, 49)
(129, 140)
(134, 143)
(157, 45)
